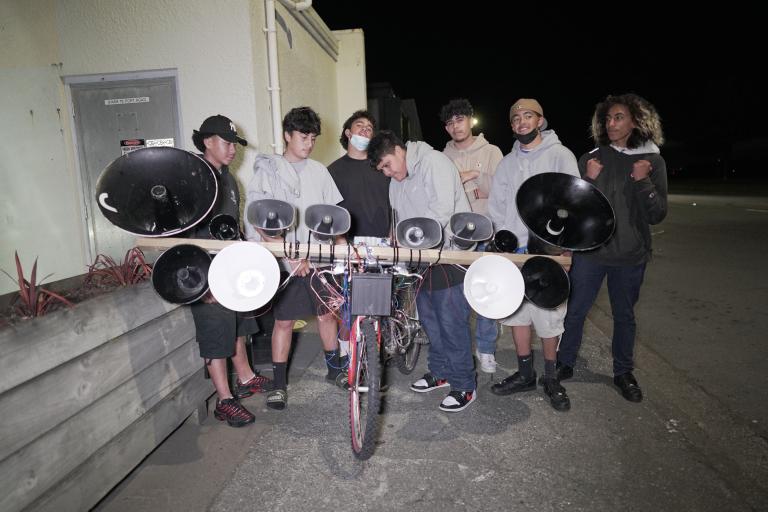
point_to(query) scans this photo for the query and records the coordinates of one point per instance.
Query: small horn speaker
(327, 221)
(565, 211)
(180, 274)
(224, 227)
(271, 216)
(469, 228)
(159, 191)
(419, 233)
(546, 282)
(494, 286)
(503, 241)
(244, 276)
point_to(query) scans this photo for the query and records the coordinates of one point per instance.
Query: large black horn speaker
(469, 228)
(565, 211)
(419, 233)
(180, 274)
(158, 191)
(327, 221)
(271, 216)
(546, 282)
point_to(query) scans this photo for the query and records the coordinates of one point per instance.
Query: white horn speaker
(327, 221)
(494, 286)
(243, 276)
(419, 233)
(271, 216)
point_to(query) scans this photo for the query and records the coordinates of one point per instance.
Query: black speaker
(158, 191)
(503, 241)
(271, 216)
(224, 227)
(565, 211)
(180, 274)
(419, 233)
(546, 282)
(469, 228)
(327, 221)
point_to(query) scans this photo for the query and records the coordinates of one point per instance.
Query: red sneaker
(258, 384)
(232, 412)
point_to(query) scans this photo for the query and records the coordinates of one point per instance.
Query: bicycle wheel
(364, 396)
(408, 345)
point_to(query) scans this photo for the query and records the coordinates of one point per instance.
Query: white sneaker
(487, 362)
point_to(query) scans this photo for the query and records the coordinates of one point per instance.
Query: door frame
(89, 240)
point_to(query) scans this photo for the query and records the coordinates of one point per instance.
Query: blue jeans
(486, 329)
(444, 314)
(623, 289)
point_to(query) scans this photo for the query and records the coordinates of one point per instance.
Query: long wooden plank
(385, 254)
(36, 346)
(31, 471)
(93, 479)
(73, 386)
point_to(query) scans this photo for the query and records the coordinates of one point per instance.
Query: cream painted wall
(219, 51)
(350, 75)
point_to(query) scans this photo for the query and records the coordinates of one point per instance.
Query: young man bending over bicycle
(425, 183)
(301, 182)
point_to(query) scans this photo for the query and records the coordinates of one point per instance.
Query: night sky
(701, 71)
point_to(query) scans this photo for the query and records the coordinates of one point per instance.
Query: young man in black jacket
(628, 168)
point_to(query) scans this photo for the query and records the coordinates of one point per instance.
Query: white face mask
(360, 142)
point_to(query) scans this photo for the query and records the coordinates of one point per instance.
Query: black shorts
(218, 327)
(299, 300)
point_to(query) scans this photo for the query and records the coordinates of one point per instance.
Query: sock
(343, 347)
(525, 365)
(280, 374)
(549, 368)
(344, 362)
(333, 362)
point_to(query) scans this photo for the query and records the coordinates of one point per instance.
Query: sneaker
(487, 362)
(558, 398)
(630, 390)
(233, 413)
(514, 384)
(257, 384)
(457, 401)
(428, 383)
(340, 379)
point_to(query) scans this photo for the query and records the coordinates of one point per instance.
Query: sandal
(277, 399)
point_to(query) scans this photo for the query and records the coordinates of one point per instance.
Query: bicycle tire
(406, 361)
(364, 392)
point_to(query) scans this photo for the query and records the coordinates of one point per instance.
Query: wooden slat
(31, 471)
(34, 347)
(385, 254)
(65, 390)
(93, 479)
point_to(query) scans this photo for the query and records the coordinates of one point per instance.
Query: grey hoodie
(514, 169)
(483, 157)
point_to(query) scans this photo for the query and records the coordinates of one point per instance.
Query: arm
(650, 185)
(497, 199)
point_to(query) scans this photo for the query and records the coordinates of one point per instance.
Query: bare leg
(240, 361)
(282, 333)
(326, 324)
(521, 334)
(549, 347)
(218, 371)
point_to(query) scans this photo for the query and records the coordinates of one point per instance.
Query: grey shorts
(217, 328)
(547, 322)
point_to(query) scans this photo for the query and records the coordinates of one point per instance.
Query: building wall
(350, 75)
(220, 53)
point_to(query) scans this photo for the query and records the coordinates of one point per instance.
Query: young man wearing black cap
(219, 331)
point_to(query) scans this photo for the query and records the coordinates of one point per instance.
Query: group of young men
(380, 176)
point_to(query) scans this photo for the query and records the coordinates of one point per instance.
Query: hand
(594, 168)
(208, 298)
(641, 170)
(301, 267)
(469, 175)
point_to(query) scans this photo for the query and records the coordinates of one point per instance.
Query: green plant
(106, 271)
(34, 300)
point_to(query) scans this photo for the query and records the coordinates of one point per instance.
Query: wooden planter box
(87, 393)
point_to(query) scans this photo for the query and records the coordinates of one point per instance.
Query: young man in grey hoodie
(628, 168)
(476, 160)
(535, 151)
(425, 183)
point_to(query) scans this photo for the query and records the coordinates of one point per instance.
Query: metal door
(112, 117)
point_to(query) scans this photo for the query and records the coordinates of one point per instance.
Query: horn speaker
(224, 227)
(503, 241)
(158, 191)
(180, 274)
(271, 216)
(468, 228)
(327, 221)
(244, 276)
(546, 282)
(419, 233)
(494, 286)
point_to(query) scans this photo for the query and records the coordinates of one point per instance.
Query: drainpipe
(274, 78)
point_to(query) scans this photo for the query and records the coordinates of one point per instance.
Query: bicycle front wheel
(365, 396)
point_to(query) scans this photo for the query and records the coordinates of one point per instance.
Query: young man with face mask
(628, 168)
(476, 160)
(535, 151)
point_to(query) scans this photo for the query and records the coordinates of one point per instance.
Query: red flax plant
(105, 271)
(33, 299)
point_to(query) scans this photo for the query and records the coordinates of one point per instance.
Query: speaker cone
(469, 228)
(494, 286)
(180, 274)
(271, 216)
(327, 221)
(244, 276)
(546, 282)
(419, 233)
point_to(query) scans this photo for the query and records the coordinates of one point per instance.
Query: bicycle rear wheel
(409, 341)
(364, 396)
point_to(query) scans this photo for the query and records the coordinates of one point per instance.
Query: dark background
(704, 72)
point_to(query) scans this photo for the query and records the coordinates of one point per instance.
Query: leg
(486, 332)
(624, 290)
(282, 334)
(327, 326)
(453, 311)
(586, 278)
(218, 371)
(436, 360)
(240, 361)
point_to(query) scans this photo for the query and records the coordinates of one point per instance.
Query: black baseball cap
(221, 126)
